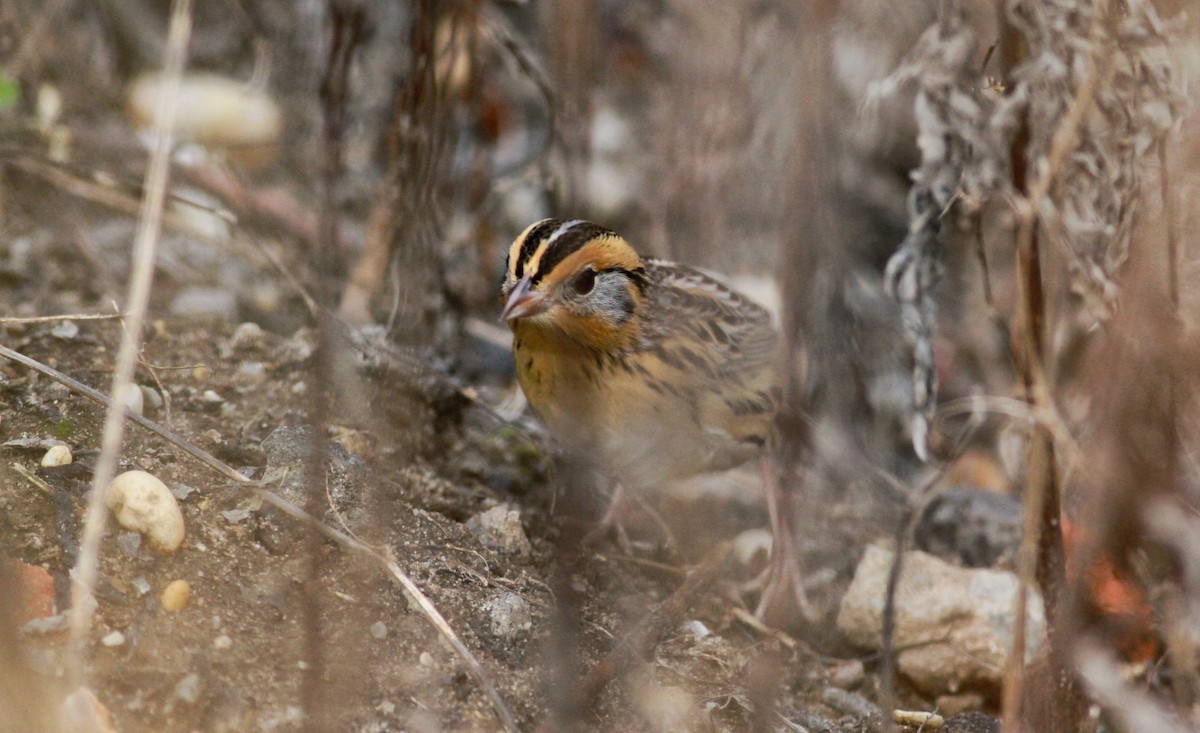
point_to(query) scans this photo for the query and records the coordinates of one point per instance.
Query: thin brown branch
(141, 278)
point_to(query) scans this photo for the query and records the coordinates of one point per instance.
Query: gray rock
(976, 528)
(954, 625)
(849, 703)
(500, 529)
(508, 616)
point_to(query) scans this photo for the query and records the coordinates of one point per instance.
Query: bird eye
(584, 282)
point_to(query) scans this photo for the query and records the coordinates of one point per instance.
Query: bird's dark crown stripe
(565, 244)
(533, 240)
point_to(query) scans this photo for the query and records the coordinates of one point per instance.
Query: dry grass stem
(146, 242)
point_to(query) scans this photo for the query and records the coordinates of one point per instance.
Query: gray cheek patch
(610, 300)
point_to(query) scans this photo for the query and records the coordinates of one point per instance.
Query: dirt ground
(230, 660)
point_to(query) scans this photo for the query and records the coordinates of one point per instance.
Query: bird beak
(523, 302)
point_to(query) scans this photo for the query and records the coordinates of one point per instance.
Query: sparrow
(652, 370)
(655, 369)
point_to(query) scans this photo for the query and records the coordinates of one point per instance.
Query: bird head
(575, 278)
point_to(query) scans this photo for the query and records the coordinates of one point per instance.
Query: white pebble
(142, 503)
(222, 642)
(115, 638)
(379, 630)
(58, 455)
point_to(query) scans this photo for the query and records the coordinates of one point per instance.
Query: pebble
(183, 491)
(500, 529)
(141, 585)
(66, 330)
(426, 659)
(847, 674)
(212, 109)
(235, 516)
(977, 528)
(188, 688)
(508, 616)
(113, 638)
(849, 703)
(130, 543)
(222, 642)
(58, 455)
(379, 630)
(152, 397)
(142, 503)
(752, 548)
(248, 335)
(176, 595)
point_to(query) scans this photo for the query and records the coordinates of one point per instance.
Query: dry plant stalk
(146, 242)
(1084, 99)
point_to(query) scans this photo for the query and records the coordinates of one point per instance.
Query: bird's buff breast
(596, 409)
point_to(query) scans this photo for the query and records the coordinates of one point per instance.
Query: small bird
(650, 369)
(660, 371)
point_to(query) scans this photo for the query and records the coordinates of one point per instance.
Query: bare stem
(145, 245)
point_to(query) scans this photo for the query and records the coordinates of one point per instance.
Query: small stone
(182, 491)
(252, 372)
(500, 528)
(201, 373)
(113, 638)
(508, 616)
(235, 516)
(426, 659)
(973, 527)
(379, 630)
(34, 591)
(752, 549)
(130, 543)
(66, 330)
(248, 335)
(58, 455)
(142, 503)
(697, 629)
(211, 397)
(141, 585)
(222, 642)
(152, 397)
(849, 703)
(176, 595)
(847, 674)
(188, 688)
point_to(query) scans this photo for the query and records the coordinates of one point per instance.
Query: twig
(33, 478)
(146, 242)
(435, 617)
(1040, 554)
(14, 320)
